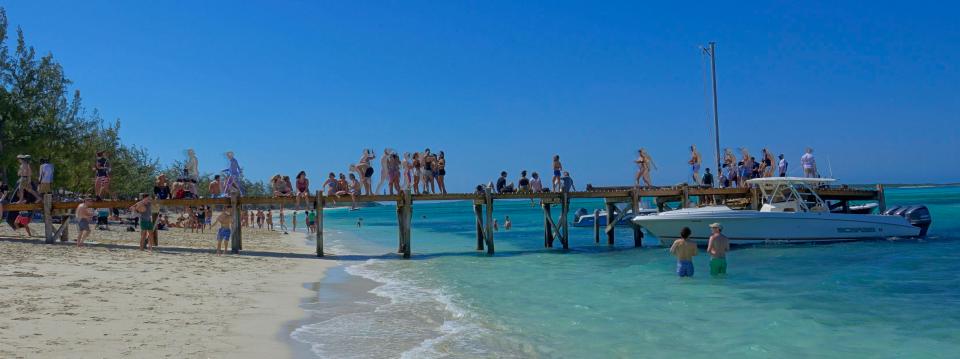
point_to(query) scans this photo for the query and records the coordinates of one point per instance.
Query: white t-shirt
(807, 160)
(46, 173)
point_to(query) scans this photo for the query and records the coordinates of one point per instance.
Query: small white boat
(792, 212)
(584, 218)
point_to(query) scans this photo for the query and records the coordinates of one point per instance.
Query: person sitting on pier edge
(535, 184)
(502, 186)
(566, 183)
(524, 182)
(684, 249)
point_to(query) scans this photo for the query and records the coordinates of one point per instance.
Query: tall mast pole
(716, 116)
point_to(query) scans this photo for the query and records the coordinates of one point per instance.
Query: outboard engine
(917, 215)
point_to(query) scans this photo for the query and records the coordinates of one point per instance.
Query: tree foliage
(40, 116)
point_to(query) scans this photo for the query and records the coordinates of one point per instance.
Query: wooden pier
(483, 206)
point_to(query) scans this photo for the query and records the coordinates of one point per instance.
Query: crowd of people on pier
(734, 172)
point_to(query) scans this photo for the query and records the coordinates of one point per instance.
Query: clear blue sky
(503, 85)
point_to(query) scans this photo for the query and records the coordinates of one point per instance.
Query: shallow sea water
(876, 299)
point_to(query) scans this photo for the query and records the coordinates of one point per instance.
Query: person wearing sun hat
(718, 247)
(25, 182)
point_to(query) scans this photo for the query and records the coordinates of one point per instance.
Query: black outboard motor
(917, 215)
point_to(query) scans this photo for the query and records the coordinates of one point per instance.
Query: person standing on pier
(766, 164)
(557, 169)
(782, 166)
(366, 170)
(684, 249)
(644, 166)
(101, 181)
(694, 163)
(809, 164)
(25, 181)
(441, 173)
(46, 176)
(566, 183)
(718, 247)
(407, 171)
(707, 178)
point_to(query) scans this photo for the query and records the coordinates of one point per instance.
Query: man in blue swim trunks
(684, 249)
(223, 235)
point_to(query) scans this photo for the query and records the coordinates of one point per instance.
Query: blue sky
(502, 85)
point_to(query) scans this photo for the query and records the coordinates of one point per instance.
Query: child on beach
(684, 249)
(718, 247)
(84, 217)
(294, 221)
(269, 219)
(23, 221)
(223, 235)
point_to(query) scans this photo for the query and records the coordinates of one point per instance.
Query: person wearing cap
(84, 217)
(718, 246)
(25, 183)
(684, 249)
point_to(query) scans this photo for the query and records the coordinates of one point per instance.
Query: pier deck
(483, 203)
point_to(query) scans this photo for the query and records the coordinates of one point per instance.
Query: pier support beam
(319, 203)
(237, 226)
(611, 222)
(406, 214)
(48, 219)
(478, 216)
(635, 205)
(547, 225)
(488, 238)
(684, 196)
(596, 226)
(564, 223)
(881, 199)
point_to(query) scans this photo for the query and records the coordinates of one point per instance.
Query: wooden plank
(48, 218)
(319, 204)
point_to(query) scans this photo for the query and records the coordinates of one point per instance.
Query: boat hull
(753, 227)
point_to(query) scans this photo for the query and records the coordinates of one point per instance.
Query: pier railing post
(318, 205)
(596, 226)
(48, 218)
(488, 197)
(237, 226)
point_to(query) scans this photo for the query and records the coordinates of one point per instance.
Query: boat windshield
(790, 196)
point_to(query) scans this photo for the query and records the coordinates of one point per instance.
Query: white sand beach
(112, 300)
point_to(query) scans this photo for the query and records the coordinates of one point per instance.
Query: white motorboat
(791, 212)
(584, 218)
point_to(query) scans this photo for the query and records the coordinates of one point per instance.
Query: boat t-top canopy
(789, 180)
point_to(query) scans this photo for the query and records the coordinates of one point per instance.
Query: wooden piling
(406, 217)
(635, 205)
(478, 216)
(547, 225)
(488, 198)
(319, 203)
(237, 226)
(684, 196)
(596, 226)
(564, 223)
(881, 199)
(611, 222)
(48, 218)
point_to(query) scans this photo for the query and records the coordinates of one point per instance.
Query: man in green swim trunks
(145, 209)
(718, 247)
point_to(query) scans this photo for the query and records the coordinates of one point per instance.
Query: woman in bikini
(728, 158)
(275, 185)
(441, 172)
(366, 170)
(557, 169)
(646, 164)
(384, 175)
(355, 187)
(416, 173)
(766, 163)
(393, 173)
(303, 188)
(429, 164)
(407, 169)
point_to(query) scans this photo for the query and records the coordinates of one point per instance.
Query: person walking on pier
(644, 166)
(223, 234)
(809, 164)
(718, 246)
(25, 180)
(694, 163)
(557, 169)
(684, 249)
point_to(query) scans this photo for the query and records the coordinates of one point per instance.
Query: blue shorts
(223, 234)
(695, 169)
(556, 173)
(685, 268)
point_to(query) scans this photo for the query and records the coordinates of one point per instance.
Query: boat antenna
(711, 51)
(830, 167)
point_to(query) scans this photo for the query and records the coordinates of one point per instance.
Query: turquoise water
(865, 299)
